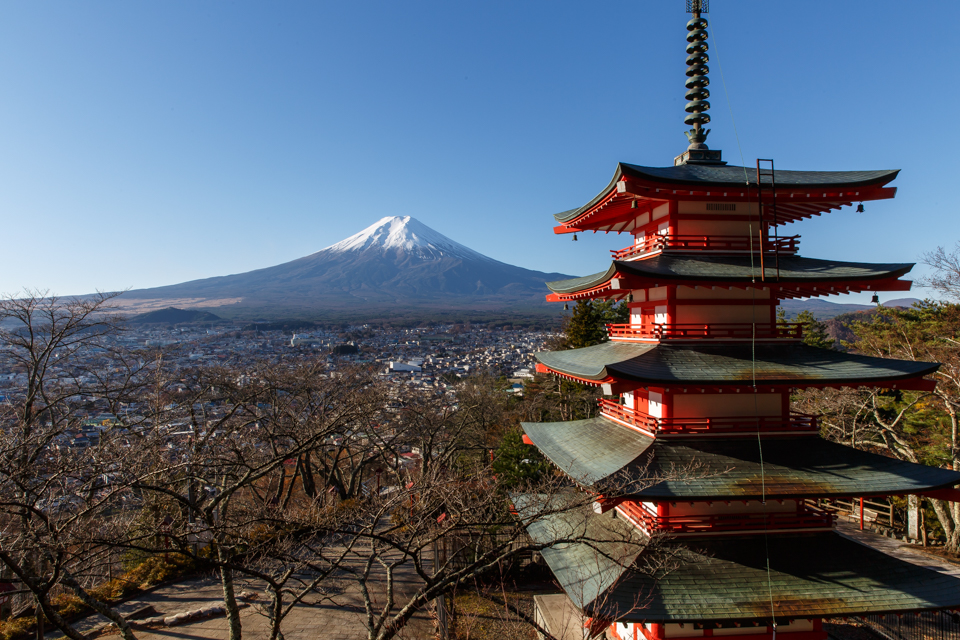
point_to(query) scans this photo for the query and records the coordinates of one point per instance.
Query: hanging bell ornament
(875, 299)
(860, 208)
(566, 307)
(574, 237)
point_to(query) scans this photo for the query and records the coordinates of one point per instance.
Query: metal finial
(697, 70)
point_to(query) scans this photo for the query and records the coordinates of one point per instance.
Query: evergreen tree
(588, 323)
(517, 463)
(814, 331)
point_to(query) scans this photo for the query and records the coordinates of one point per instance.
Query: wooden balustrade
(721, 244)
(705, 331)
(726, 425)
(806, 517)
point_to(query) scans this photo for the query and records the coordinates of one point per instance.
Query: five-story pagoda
(701, 378)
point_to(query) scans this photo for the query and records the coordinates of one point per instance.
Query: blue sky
(150, 143)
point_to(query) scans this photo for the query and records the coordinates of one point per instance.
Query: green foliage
(587, 325)
(516, 463)
(814, 331)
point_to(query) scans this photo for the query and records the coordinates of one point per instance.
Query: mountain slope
(394, 263)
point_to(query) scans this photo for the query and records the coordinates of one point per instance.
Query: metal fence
(462, 548)
(931, 625)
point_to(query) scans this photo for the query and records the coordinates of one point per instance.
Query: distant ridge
(825, 310)
(172, 315)
(396, 266)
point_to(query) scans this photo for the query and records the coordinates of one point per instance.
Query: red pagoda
(701, 377)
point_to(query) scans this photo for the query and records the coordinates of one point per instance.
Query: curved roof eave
(687, 268)
(597, 452)
(727, 175)
(571, 214)
(573, 285)
(712, 364)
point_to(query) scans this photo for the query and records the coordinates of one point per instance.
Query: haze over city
(147, 145)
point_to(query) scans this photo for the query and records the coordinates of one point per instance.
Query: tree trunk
(229, 595)
(306, 477)
(945, 515)
(278, 496)
(103, 609)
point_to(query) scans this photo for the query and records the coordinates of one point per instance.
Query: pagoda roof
(803, 276)
(733, 578)
(801, 194)
(732, 364)
(604, 455)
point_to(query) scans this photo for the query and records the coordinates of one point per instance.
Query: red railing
(735, 244)
(806, 517)
(616, 410)
(712, 331)
(794, 423)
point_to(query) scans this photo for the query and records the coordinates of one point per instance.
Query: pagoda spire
(697, 92)
(697, 70)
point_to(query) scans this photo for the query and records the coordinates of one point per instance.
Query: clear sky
(150, 143)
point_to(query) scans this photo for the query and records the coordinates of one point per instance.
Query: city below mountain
(397, 267)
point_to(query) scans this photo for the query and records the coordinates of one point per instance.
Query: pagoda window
(660, 314)
(640, 237)
(628, 400)
(625, 631)
(709, 209)
(655, 405)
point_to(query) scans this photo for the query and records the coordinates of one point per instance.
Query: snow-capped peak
(407, 234)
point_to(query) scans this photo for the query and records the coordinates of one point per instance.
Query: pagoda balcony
(806, 517)
(700, 331)
(796, 423)
(714, 244)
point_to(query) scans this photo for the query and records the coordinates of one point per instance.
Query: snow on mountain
(408, 235)
(397, 265)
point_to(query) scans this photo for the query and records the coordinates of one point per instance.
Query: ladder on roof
(761, 172)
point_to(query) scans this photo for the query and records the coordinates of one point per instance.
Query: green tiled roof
(601, 454)
(726, 579)
(733, 176)
(603, 547)
(713, 268)
(729, 364)
(588, 450)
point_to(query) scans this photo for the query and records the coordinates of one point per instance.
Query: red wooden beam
(949, 495)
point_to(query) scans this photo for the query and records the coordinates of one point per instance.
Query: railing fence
(930, 625)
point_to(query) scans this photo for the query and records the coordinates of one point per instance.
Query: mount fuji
(396, 265)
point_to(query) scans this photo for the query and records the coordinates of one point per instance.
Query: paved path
(896, 548)
(343, 619)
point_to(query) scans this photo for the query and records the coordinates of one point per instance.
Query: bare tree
(946, 276)
(53, 495)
